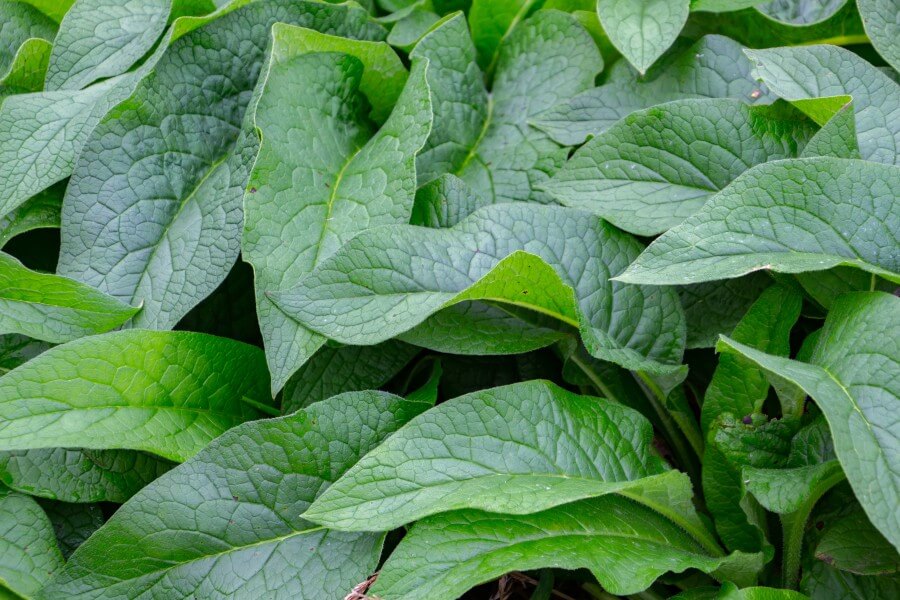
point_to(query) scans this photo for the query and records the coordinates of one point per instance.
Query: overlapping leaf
(28, 551)
(643, 29)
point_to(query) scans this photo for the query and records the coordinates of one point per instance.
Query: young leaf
(643, 29)
(185, 534)
(53, 308)
(317, 139)
(789, 216)
(657, 167)
(880, 20)
(805, 73)
(624, 544)
(152, 213)
(384, 282)
(28, 551)
(168, 393)
(76, 475)
(714, 67)
(517, 449)
(99, 39)
(851, 377)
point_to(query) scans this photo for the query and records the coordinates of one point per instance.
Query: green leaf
(99, 39)
(153, 210)
(801, 12)
(823, 582)
(624, 544)
(517, 449)
(658, 166)
(789, 216)
(444, 202)
(28, 67)
(76, 475)
(168, 393)
(185, 534)
(16, 350)
(544, 61)
(716, 306)
(72, 523)
(40, 211)
(20, 22)
(492, 21)
(853, 544)
(837, 137)
(729, 591)
(410, 28)
(55, 9)
(28, 551)
(714, 67)
(851, 378)
(458, 96)
(643, 29)
(53, 308)
(386, 281)
(316, 138)
(333, 371)
(803, 73)
(880, 20)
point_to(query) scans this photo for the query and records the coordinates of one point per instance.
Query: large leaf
(789, 216)
(28, 67)
(713, 67)
(39, 211)
(716, 306)
(492, 21)
(153, 213)
(882, 23)
(553, 260)
(543, 61)
(853, 544)
(802, 74)
(168, 393)
(185, 535)
(19, 23)
(72, 523)
(624, 544)
(517, 449)
(657, 167)
(75, 475)
(852, 377)
(103, 38)
(28, 551)
(643, 29)
(317, 139)
(54, 308)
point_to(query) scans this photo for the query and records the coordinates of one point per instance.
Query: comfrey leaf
(29, 554)
(643, 29)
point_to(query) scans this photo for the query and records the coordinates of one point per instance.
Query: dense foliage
(424, 299)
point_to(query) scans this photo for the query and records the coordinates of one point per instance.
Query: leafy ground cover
(484, 299)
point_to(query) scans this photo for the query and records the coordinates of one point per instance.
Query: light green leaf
(881, 19)
(643, 29)
(517, 449)
(99, 39)
(657, 167)
(458, 96)
(153, 210)
(55, 9)
(52, 308)
(28, 551)
(334, 371)
(625, 545)
(853, 544)
(185, 534)
(714, 67)
(492, 21)
(168, 393)
(545, 60)
(716, 306)
(75, 475)
(808, 72)
(788, 216)
(729, 591)
(852, 378)
(386, 281)
(20, 22)
(317, 139)
(40, 211)
(28, 67)
(837, 137)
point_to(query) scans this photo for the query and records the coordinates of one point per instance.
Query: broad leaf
(789, 216)
(624, 544)
(153, 213)
(55, 9)
(29, 554)
(40, 211)
(168, 393)
(386, 281)
(883, 26)
(492, 22)
(16, 350)
(20, 22)
(317, 139)
(657, 167)
(837, 137)
(72, 523)
(853, 544)
(103, 38)
(27, 69)
(716, 306)
(852, 378)
(182, 536)
(54, 308)
(643, 29)
(444, 202)
(805, 73)
(75, 475)
(517, 449)
(714, 67)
